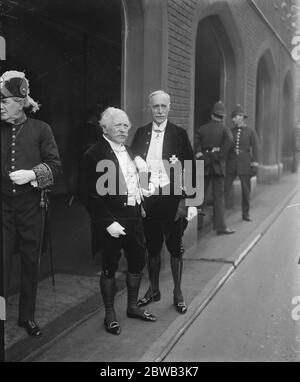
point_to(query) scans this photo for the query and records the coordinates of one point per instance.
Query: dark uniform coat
(243, 151)
(27, 146)
(214, 140)
(213, 134)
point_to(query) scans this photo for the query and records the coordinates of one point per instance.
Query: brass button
(14, 190)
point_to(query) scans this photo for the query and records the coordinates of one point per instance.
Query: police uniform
(243, 152)
(28, 144)
(213, 140)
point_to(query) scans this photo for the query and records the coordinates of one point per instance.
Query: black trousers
(159, 224)
(22, 216)
(246, 189)
(133, 244)
(217, 184)
(158, 231)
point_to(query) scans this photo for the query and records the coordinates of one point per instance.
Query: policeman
(242, 158)
(213, 141)
(30, 163)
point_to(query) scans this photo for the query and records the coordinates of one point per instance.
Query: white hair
(108, 115)
(159, 92)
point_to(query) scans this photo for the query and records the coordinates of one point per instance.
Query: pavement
(256, 304)
(71, 313)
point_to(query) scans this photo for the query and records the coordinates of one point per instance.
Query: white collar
(161, 127)
(115, 146)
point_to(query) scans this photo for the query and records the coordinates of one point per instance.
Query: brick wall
(255, 36)
(180, 18)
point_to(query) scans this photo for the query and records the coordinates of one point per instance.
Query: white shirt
(129, 172)
(154, 161)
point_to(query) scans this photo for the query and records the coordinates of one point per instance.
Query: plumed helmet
(15, 84)
(238, 110)
(219, 109)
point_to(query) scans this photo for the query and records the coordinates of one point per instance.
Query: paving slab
(77, 334)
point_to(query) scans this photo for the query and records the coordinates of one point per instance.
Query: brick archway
(266, 111)
(215, 68)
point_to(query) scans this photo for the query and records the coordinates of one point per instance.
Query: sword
(47, 238)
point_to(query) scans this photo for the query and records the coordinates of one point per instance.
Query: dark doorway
(265, 114)
(287, 121)
(214, 69)
(71, 52)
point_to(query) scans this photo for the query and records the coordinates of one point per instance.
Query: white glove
(22, 176)
(150, 191)
(115, 229)
(191, 213)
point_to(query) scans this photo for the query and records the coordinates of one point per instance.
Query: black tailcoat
(176, 144)
(107, 208)
(103, 209)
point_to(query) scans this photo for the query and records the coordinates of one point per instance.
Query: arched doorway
(215, 69)
(72, 55)
(265, 112)
(74, 63)
(287, 122)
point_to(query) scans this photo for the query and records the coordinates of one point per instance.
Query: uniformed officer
(30, 163)
(242, 158)
(213, 141)
(161, 143)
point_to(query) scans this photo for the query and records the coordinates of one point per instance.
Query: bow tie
(158, 129)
